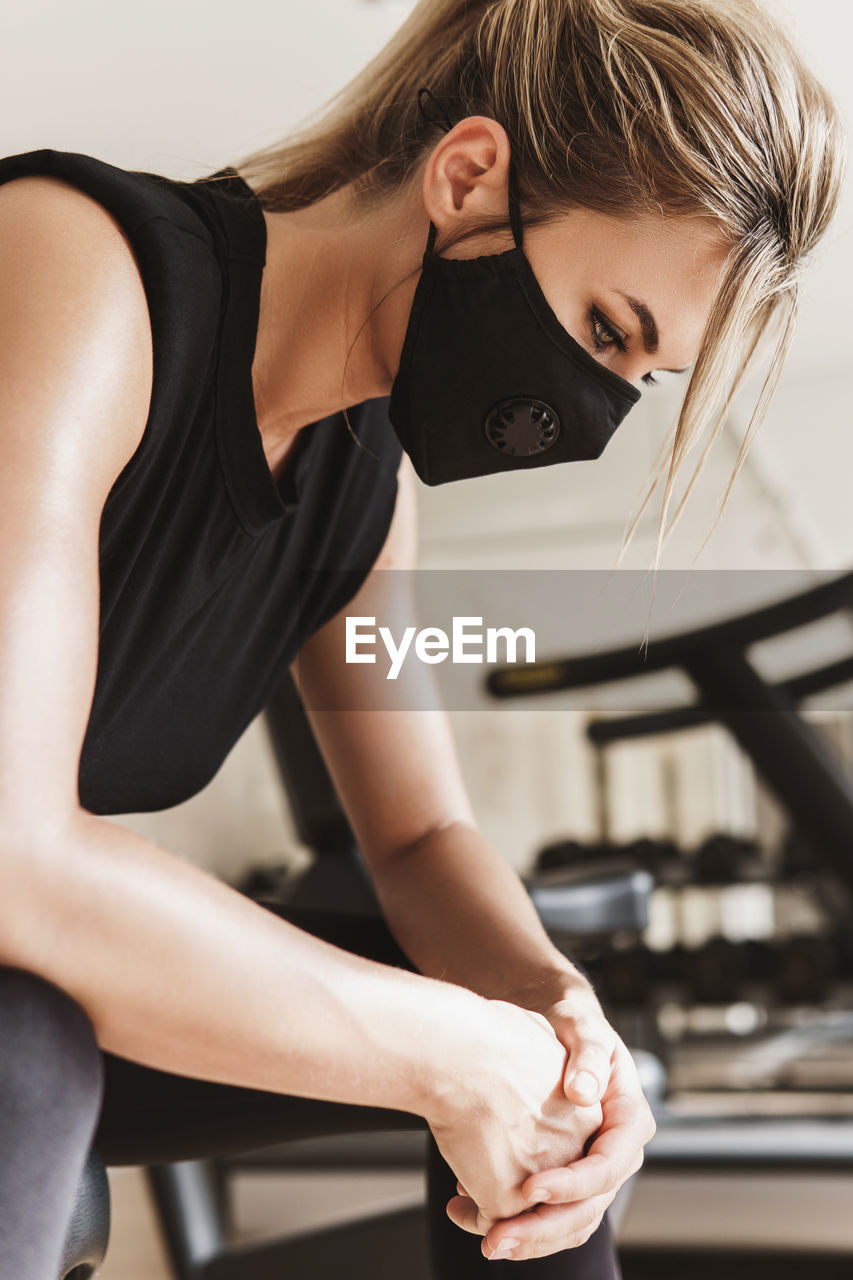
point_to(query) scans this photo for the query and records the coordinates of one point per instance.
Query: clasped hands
(560, 1129)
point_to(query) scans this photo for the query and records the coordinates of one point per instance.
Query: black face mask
(489, 380)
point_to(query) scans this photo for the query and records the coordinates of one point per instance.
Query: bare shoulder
(75, 337)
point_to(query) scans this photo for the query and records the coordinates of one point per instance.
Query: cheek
(567, 301)
(563, 289)
(572, 316)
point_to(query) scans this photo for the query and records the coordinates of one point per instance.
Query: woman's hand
(505, 1114)
(565, 1205)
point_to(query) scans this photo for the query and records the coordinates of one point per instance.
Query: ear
(466, 175)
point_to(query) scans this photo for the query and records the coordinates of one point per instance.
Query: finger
(545, 1230)
(625, 1095)
(463, 1213)
(602, 1171)
(627, 1125)
(590, 1041)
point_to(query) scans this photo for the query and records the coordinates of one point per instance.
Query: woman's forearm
(462, 914)
(180, 972)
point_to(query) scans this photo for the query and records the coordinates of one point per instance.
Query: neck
(327, 268)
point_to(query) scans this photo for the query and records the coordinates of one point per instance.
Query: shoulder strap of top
(178, 239)
(133, 197)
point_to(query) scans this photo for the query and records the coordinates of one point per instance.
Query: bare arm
(455, 906)
(174, 968)
(459, 910)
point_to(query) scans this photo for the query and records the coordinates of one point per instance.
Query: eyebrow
(648, 327)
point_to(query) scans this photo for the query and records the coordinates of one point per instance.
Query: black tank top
(212, 571)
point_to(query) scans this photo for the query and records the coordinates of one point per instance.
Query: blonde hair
(680, 107)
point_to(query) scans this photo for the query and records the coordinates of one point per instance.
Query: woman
(606, 188)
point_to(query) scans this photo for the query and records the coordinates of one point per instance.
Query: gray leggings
(59, 1093)
(51, 1085)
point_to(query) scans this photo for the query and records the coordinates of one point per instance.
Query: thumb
(587, 1072)
(582, 1084)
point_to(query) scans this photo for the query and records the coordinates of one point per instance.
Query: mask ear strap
(514, 214)
(514, 206)
(431, 110)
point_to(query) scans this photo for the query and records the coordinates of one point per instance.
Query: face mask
(489, 380)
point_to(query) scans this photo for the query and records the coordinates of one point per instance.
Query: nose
(633, 368)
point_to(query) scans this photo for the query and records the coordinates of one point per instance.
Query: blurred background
(183, 87)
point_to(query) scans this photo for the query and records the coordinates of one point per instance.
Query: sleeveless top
(212, 571)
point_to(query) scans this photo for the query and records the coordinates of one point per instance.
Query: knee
(50, 1052)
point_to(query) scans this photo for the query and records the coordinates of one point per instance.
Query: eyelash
(597, 324)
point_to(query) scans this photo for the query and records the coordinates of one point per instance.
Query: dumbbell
(725, 859)
(626, 976)
(798, 856)
(657, 856)
(804, 969)
(572, 853)
(265, 882)
(717, 972)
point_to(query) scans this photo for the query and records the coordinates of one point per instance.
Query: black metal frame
(188, 1198)
(791, 755)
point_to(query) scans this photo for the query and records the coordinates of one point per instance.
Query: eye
(604, 333)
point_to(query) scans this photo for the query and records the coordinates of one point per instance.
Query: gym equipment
(754, 1032)
(89, 1231)
(795, 761)
(724, 859)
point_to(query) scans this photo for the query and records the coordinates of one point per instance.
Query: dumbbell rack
(773, 981)
(729, 1013)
